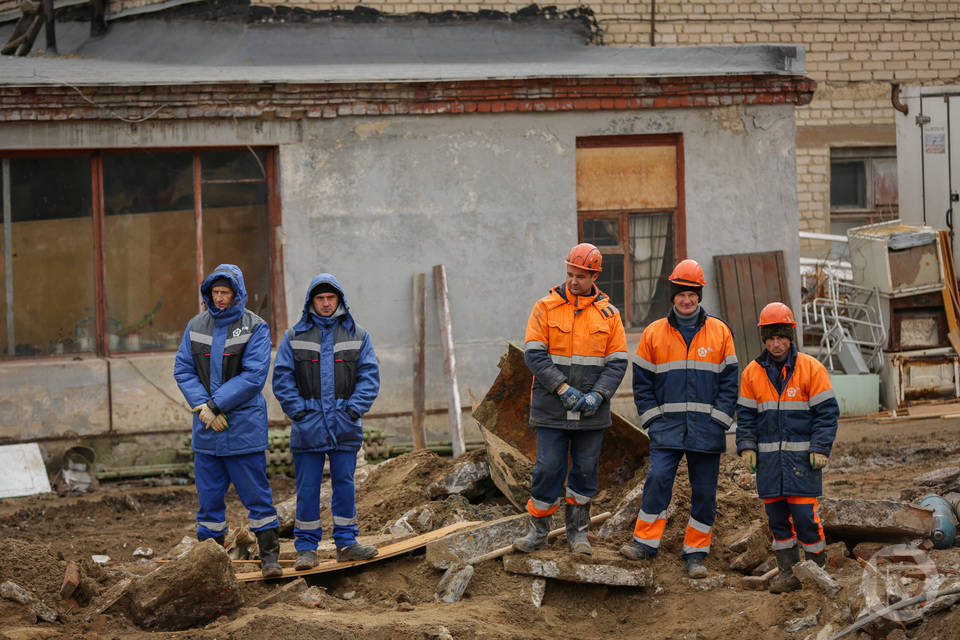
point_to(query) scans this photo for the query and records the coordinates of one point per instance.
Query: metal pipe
(8, 257)
(895, 99)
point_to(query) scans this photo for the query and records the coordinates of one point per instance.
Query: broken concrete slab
(505, 412)
(453, 583)
(937, 477)
(464, 546)
(189, 591)
(510, 470)
(537, 590)
(707, 584)
(811, 575)
(874, 519)
(765, 566)
(602, 568)
(468, 478)
(625, 514)
(24, 473)
(12, 591)
(182, 548)
(753, 546)
(112, 596)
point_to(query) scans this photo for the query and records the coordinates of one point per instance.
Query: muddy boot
(306, 559)
(636, 551)
(536, 537)
(356, 551)
(269, 543)
(819, 559)
(695, 567)
(578, 522)
(785, 581)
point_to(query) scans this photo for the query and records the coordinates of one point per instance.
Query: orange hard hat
(776, 313)
(585, 256)
(688, 272)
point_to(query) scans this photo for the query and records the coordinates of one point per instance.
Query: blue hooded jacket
(326, 376)
(224, 357)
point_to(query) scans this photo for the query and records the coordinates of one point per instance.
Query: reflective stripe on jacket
(224, 356)
(578, 340)
(325, 368)
(686, 395)
(784, 427)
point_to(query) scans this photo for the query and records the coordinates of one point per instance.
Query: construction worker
(577, 351)
(685, 389)
(786, 423)
(326, 377)
(221, 367)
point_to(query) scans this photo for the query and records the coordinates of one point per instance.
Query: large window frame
(622, 250)
(863, 186)
(277, 313)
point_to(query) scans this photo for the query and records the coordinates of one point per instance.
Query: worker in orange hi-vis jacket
(577, 350)
(685, 389)
(786, 423)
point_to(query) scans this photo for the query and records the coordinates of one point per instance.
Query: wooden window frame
(278, 307)
(623, 215)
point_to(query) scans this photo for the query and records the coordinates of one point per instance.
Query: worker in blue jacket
(221, 367)
(326, 377)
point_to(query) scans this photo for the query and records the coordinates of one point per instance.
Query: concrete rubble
(453, 583)
(191, 590)
(874, 519)
(810, 574)
(625, 514)
(570, 568)
(294, 586)
(752, 546)
(12, 591)
(759, 583)
(538, 589)
(468, 478)
(707, 584)
(938, 477)
(461, 547)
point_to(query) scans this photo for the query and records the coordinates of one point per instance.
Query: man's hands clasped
(217, 422)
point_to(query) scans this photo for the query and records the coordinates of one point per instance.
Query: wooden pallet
(387, 551)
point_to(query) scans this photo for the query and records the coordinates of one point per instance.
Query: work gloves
(569, 396)
(588, 404)
(750, 458)
(818, 460)
(206, 413)
(219, 423)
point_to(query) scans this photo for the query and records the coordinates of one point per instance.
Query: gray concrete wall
(374, 200)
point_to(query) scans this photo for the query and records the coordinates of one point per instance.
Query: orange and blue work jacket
(578, 340)
(784, 414)
(686, 394)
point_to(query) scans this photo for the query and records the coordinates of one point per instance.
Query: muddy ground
(394, 598)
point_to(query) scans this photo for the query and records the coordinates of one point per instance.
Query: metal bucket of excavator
(504, 416)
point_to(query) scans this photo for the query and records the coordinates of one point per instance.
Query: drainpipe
(895, 99)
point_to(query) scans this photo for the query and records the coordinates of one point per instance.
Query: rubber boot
(578, 522)
(356, 551)
(269, 543)
(536, 537)
(785, 581)
(306, 559)
(819, 559)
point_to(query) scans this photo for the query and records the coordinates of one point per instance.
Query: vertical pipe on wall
(653, 23)
(419, 359)
(8, 256)
(99, 261)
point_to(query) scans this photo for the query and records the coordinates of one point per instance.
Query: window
(630, 205)
(119, 272)
(863, 186)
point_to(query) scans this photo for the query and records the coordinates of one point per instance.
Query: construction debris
(874, 519)
(454, 582)
(294, 586)
(601, 568)
(191, 590)
(938, 477)
(810, 574)
(460, 548)
(12, 591)
(468, 478)
(759, 583)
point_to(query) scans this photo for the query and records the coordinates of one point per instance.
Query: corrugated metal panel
(747, 283)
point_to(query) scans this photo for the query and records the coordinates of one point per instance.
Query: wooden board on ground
(388, 551)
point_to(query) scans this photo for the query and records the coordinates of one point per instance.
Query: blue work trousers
(793, 518)
(309, 470)
(564, 455)
(703, 470)
(248, 473)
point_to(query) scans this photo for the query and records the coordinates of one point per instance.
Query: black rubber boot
(269, 543)
(356, 551)
(536, 537)
(578, 522)
(819, 559)
(785, 581)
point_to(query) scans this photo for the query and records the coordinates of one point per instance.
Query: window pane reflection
(51, 257)
(150, 249)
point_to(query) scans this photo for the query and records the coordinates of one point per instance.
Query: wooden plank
(419, 360)
(388, 551)
(449, 360)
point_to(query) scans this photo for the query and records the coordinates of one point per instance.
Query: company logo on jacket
(703, 351)
(791, 392)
